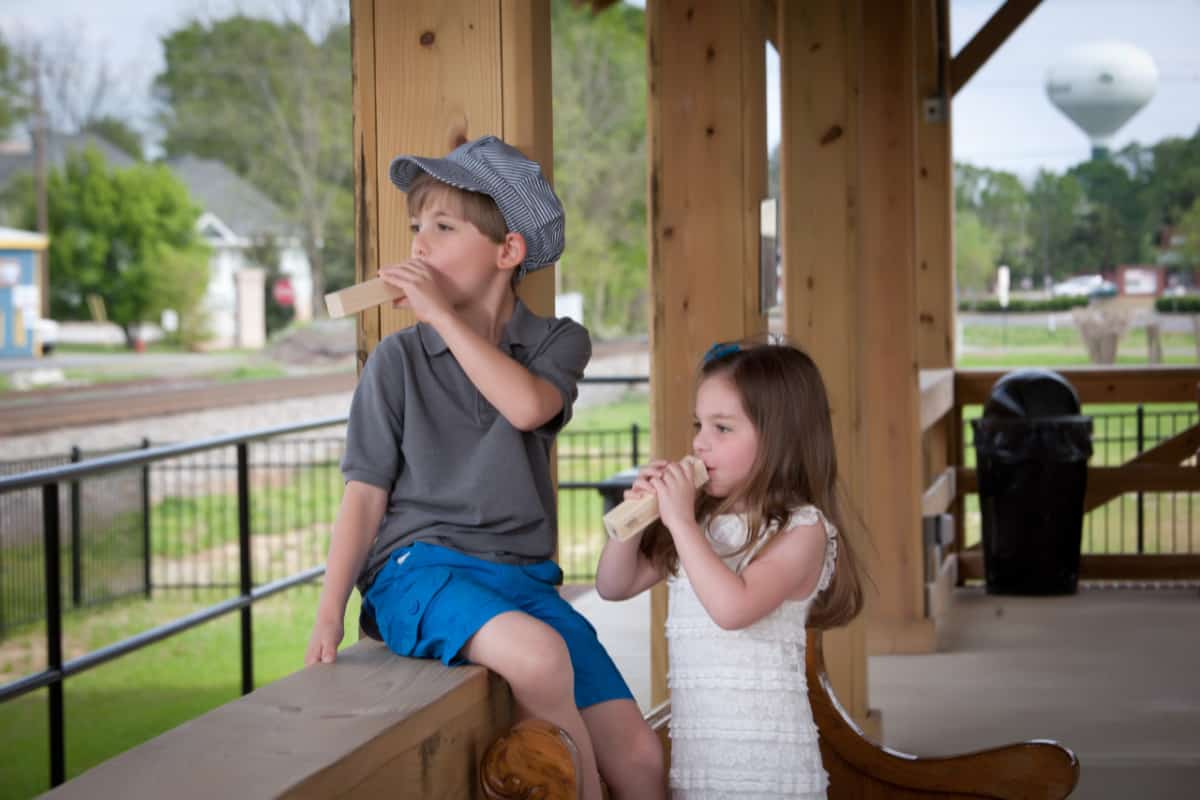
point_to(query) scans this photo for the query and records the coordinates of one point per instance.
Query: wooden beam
(888, 328)
(707, 105)
(1107, 483)
(934, 181)
(940, 495)
(937, 395)
(1108, 384)
(528, 111)
(449, 52)
(987, 40)
(366, 168)
(1107, 567)
(819, 181)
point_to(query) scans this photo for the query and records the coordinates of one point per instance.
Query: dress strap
(803, 515)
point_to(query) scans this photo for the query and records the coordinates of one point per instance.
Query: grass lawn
(120, 704)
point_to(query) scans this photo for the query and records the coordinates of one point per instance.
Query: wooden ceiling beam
(987, 40)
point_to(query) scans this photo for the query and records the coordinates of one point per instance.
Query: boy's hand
(419, 283)
(323, 644)
(676, 497)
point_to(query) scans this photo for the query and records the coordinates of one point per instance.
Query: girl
(751, 561)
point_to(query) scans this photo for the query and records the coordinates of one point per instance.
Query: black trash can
(612, 488)
(1031, 448)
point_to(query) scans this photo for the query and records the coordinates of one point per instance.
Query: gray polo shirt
(458, 474)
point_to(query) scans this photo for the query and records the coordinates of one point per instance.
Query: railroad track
(50, 409)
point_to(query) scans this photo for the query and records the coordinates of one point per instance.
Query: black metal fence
(171, 524)
(48, 483)
(1134, 523)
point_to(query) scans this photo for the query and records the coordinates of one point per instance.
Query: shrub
(989, 305)
(1186, 304)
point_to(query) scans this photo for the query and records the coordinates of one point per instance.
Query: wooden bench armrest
(1033, 769)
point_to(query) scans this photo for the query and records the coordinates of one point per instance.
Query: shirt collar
(521, 329)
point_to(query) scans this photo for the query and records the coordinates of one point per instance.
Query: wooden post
(707, 135)
(888, 110)
(819, 181)
(428, 76)
(935, 223)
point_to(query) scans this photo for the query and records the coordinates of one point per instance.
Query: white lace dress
(741, 724)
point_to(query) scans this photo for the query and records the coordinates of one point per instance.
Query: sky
(1002, 118)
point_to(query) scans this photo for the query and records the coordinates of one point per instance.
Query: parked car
(1084, 286)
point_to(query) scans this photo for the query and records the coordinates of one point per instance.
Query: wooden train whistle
(360, 296)
(634, 515)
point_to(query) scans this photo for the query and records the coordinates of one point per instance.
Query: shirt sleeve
(375, 429)
(561, 359)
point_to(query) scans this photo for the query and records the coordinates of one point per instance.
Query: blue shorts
(428, 600)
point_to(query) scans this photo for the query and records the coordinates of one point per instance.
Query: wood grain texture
(820, 71)
(707, 146)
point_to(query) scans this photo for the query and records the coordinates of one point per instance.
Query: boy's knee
(541, 667)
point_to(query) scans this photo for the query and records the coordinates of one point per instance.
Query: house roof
(234, 201)
(218, 190)
(58, 146)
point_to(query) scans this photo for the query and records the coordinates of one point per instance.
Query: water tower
(1100, 86)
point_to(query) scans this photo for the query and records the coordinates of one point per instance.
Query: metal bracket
(934, 108)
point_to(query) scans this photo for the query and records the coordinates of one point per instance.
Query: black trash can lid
(1030, 394)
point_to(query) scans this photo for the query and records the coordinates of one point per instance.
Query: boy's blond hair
(476, 208)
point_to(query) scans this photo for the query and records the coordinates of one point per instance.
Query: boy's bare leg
(628, 752)
(533, 658)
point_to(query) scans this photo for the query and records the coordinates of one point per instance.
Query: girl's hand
(676, 497)
(642, 486)
(419, 283)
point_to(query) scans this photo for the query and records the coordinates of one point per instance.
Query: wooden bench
(375, 725)
(372, 725)
(858, 768)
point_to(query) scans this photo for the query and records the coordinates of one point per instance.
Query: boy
(447, 522)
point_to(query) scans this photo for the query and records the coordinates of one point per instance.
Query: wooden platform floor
(1114, 674)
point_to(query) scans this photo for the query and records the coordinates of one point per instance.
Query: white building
(235, 214)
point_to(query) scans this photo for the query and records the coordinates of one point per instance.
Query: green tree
(118, 133)
(1189, 229)
(1115, 219)
(274, 105)
(1171, 186)
(976, 249)
(1055, 205)
(13, 102)
(1001, 203)
(127, 235)
(600, 160)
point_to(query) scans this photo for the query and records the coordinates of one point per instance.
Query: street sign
(282, 291)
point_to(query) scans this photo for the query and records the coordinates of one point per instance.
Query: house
(235, 215)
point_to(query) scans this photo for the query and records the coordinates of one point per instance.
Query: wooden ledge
(372, 725)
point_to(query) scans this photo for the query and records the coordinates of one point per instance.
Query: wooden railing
(945, 392)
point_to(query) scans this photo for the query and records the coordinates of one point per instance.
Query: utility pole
(39, 180)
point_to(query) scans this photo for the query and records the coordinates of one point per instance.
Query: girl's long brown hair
(783, 395)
